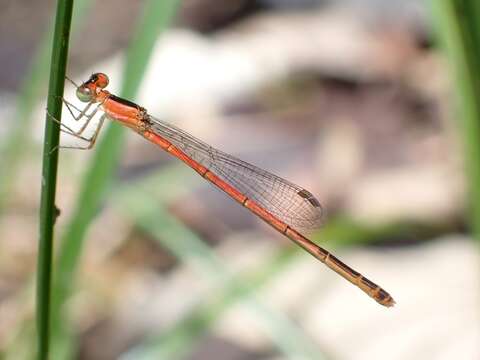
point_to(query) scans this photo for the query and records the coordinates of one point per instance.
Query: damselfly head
(89, 90)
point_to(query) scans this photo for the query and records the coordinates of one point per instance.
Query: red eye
(101, 80)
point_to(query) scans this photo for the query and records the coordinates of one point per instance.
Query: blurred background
(363, 102)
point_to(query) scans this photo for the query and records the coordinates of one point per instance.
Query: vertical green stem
(48, 210)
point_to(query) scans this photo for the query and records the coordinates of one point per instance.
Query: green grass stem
(48, 211)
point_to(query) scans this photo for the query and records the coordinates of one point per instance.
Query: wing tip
(307, 195)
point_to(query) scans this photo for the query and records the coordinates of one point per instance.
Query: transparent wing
(292, 204)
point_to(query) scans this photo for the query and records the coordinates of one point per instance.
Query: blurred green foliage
(458, 28)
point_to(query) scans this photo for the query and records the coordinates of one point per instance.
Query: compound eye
(101, 80)
(84, 94)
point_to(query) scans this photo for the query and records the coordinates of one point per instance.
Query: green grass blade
(16, 148)
(99, 175)
(48, 210)
(458, 27)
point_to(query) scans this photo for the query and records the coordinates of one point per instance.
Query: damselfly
(286, 207)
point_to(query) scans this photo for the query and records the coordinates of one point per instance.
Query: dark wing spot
(309, 197)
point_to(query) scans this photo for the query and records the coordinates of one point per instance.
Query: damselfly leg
(78, 133)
